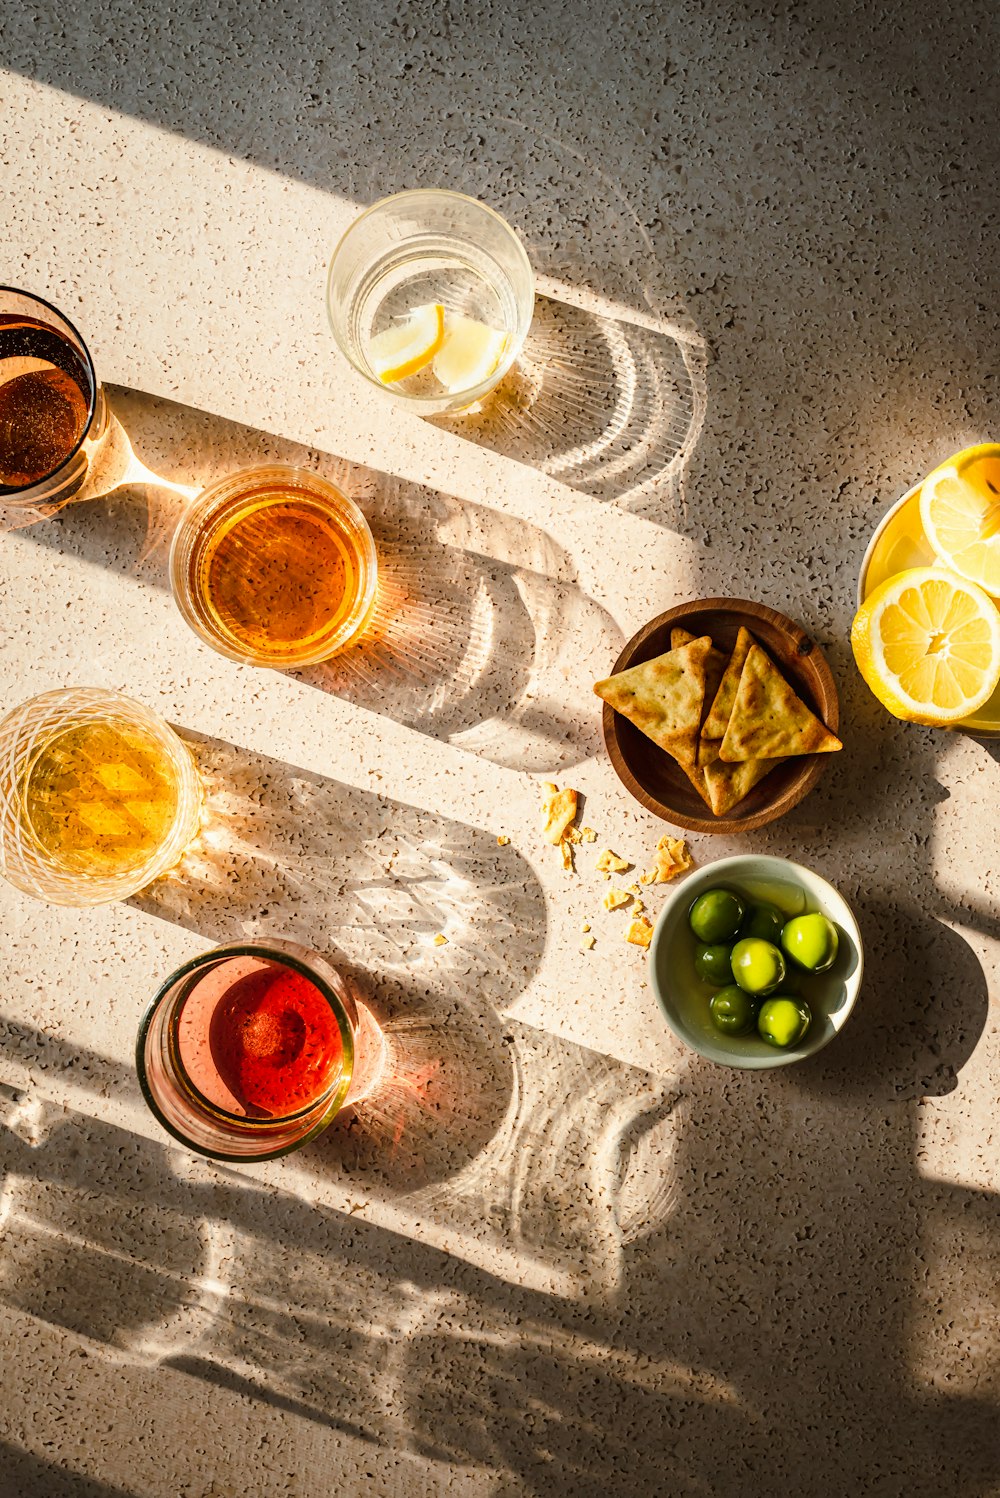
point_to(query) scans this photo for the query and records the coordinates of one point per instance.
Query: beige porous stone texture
(558, 1254)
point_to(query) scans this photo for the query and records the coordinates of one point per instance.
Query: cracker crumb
(558, 809)
(586, 944)
(440, 940)
(614, 898)
(637, 907)
(640, 932)
(634, 889)
(610, 863)
(571, 835)
(588, 835)
(672, 858)
(566, 849)
(503, 840)
(584, 925)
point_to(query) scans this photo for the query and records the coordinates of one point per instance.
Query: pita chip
(715, 666)
(664, 697)
(769, 720)
(728, 784)
(713, 730)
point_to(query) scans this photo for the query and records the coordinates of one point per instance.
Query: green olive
(712, 965)
(811, 941)
(763, 920)
(733, 1011)
(758, 966)
(783, 1020)
(716, 916)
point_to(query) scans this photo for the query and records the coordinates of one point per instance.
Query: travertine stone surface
(562, 1256)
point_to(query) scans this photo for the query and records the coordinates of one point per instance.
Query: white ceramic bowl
(684, 998)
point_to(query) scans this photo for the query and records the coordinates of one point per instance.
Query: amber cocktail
(274, 567)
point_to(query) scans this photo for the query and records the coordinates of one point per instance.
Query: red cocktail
(249, 1050)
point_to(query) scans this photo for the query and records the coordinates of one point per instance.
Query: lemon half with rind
(407, 347)
(927, 642)
(960, 514)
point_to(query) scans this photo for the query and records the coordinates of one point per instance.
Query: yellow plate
(899, 542)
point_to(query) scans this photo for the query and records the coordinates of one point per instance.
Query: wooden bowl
(657, 782)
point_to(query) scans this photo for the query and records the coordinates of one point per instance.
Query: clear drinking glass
(98, 797)
(52, 408)
(422, 250)
(274, 567)
(249, 1050)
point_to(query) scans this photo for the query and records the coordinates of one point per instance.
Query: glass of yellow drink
(98, 796)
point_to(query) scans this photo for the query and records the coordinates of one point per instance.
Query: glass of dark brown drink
(52, 408)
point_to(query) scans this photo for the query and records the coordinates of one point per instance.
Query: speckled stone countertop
(562, 1256)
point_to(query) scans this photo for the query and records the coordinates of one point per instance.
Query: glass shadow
(374, 885)
(479, 620)
(611, 407)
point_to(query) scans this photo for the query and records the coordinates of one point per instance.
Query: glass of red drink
(249, 1050)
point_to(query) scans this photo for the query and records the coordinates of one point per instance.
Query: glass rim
(8, 491)
(483, 387)
(188, 525)
(330, 1100)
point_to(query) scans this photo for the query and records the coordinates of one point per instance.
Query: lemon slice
(469, 354)
(928, 644)
(960, 512)
(408, 346)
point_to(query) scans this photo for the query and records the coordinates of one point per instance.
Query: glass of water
(430, 296)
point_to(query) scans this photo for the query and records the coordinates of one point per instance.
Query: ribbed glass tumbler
(98, 796)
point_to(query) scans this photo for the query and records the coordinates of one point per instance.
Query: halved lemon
(469, 354)
(408, 346)
(928, 644)
(960, 513)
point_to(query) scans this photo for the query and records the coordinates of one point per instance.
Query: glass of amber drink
(98, 797)
(52, 409)
(274, 567)
(248, 1051)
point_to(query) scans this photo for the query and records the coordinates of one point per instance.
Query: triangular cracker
(715, 667)
(769, 720)
(728, 784)
(713, 730)
(664, 697)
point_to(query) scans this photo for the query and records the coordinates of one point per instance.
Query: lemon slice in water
(928, 644)
(469, 354)
(960, 513)
(408, 346)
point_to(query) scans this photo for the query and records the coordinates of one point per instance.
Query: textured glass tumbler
(98, 797)
(250, 1050)
(428, 247)
(274, 566)
(52, 409)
